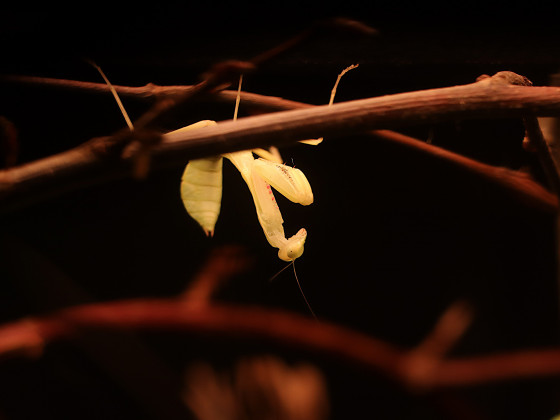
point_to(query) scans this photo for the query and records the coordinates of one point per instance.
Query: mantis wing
(201, 185)
(198, 124)
(288, 181)
(272, 154)
(312, 142)
(201, 191)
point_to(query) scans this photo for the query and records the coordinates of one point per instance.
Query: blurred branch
(9, 146)
(94, 161)
(421, 362)
(549, 160)
(29, 336)
(222, 264)
(134, 368)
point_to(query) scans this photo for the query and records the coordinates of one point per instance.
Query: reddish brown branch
(28, 337)
(522, 364)
(222, 264)
(148, 91)
(517, 183)
(91, 163)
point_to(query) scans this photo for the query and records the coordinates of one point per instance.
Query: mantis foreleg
(267, 209)
(288, 181)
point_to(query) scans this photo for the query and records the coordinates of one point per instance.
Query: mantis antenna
(293, 263)
(301, 290)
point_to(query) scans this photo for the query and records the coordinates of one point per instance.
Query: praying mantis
(201, 188)
(201, 183)
(201, 191)
(201, 197)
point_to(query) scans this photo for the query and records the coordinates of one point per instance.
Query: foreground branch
(29, 336)
(92, 162)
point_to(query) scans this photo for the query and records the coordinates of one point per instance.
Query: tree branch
(92, 162)
(29, 336)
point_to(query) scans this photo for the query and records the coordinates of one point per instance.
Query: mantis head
(293, 248)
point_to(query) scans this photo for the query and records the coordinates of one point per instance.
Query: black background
(394, 238)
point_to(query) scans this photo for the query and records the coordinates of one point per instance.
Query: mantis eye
(290, 253)
(294, 246)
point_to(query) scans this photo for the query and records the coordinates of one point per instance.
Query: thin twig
(518, 184)
(339, 23)
(149, 91)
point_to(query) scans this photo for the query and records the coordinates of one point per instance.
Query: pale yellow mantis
(201, 188)
(201, 191)
(201, 183)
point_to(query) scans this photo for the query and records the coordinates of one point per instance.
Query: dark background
(394, 238)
